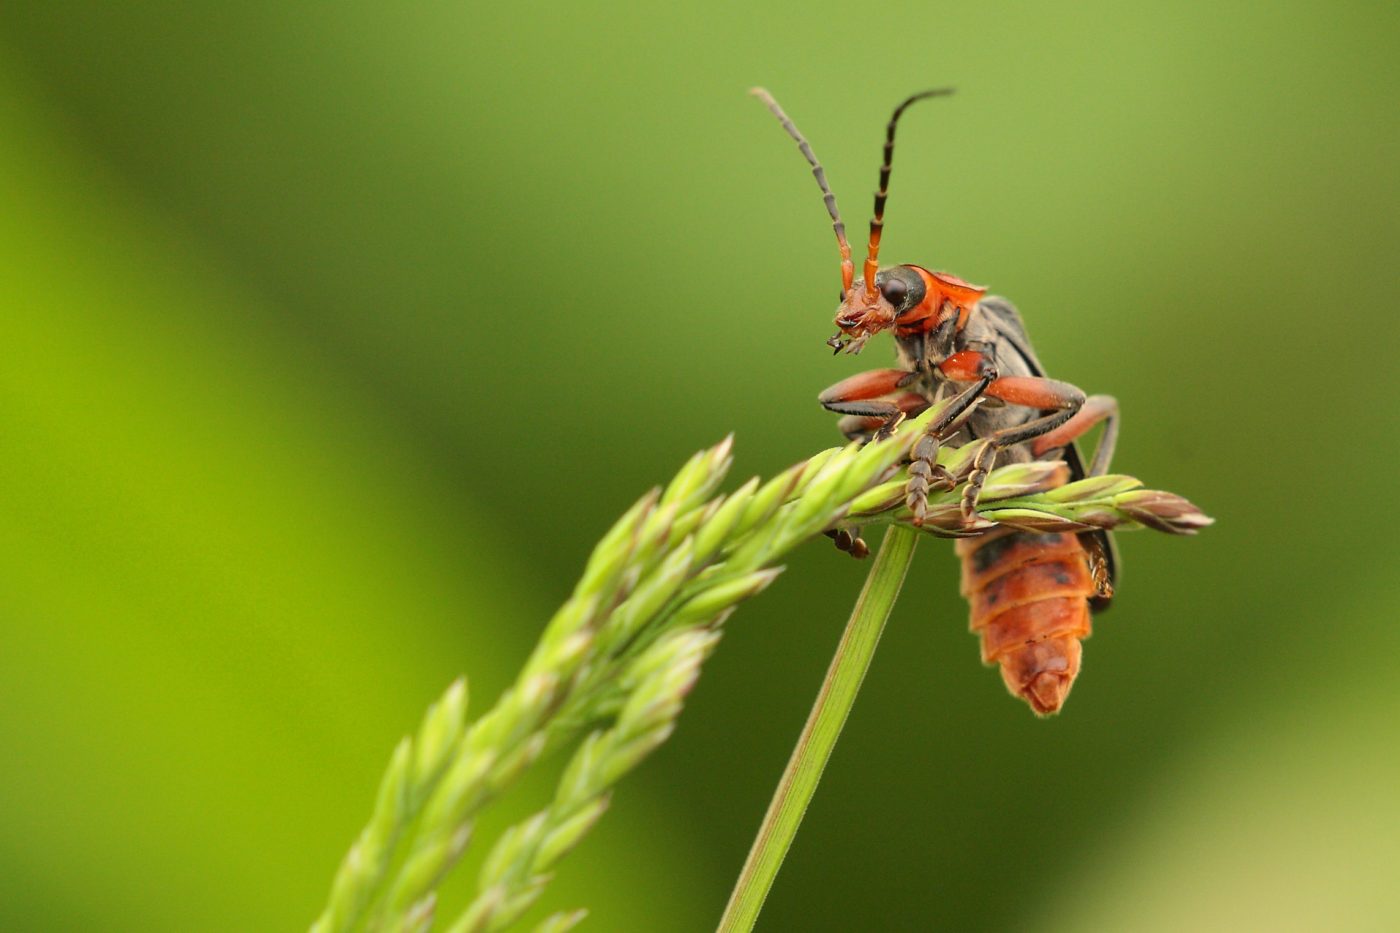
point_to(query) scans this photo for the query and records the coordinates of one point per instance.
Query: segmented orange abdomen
(1029, 593)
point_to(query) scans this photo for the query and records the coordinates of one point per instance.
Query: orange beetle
(1031, 593)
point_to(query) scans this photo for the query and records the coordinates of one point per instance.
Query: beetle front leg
(862, 395)
(867, 428)
(873, 405)
(1062, 399)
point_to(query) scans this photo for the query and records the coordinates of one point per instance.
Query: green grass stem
(833, 703)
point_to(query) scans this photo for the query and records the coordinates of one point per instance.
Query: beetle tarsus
(925, 475)
(848, 541)
(981, 466)
(888, 428)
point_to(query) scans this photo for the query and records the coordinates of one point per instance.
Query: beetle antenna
(877, 223)
(848, 269)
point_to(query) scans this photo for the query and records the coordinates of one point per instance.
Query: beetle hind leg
(1096, 408)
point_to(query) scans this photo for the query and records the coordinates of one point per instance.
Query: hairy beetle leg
(1063, 401)
(1095, 409)
(874, 395)
(849, 541)
(925, 473)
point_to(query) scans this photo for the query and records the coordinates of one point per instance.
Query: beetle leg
(925, 472)
(1096, 408)
(872, 409)
(981, 466)
(867, 427)
(861, 395)
(1060, 398)
(970, 364)
(1098, 545)
(849, 541)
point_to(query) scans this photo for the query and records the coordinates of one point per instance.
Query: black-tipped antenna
(877, 223)
(848, 269)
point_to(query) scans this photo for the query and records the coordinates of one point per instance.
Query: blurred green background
(332, 335)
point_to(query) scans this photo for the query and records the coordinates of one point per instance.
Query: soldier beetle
(1031, 593)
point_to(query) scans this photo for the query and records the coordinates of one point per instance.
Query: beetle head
(865, 312)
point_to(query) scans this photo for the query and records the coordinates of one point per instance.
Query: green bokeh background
(332, 334)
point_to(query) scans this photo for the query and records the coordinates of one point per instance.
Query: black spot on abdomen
(991, 553)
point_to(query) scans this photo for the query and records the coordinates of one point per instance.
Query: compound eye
(895, 291)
